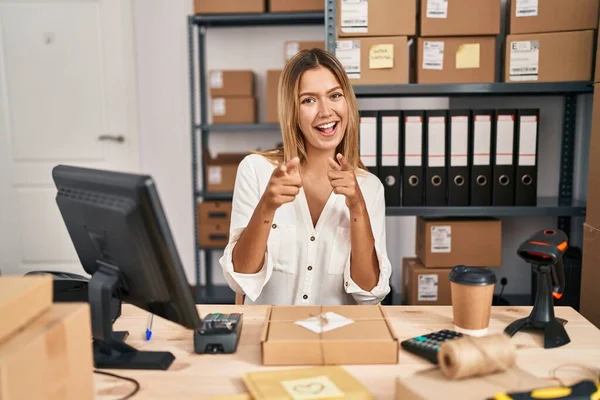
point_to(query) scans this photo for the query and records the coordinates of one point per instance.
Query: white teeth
(329, 125)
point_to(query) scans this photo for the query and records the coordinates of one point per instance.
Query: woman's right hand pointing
(284, 185)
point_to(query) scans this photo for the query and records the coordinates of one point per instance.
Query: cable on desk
(136, 383)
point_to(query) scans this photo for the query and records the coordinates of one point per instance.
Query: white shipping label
(482, 139)
(216, 79)
(291, 50)
(433, 55)
(413, 142)
(348, 53)
(355, 16)
(527, 8)
(368, 141)
(524, 60)
(218, 104)
(428, 287)
(390, 140)
(441, 239)
(437, 8)
(436, 143)
(505, 134)
(215, 175)
(528, 140)
(459, 141)
(324, 322)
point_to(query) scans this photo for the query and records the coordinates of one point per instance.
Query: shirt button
(305, 297)
(310, 268)
(274, 226)
(312, 238)
(347, 284)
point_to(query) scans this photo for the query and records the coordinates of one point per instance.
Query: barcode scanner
(544, 251)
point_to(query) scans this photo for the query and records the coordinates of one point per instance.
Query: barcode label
(355, 16)
(527, 8)
(428, 287)
(437, 9)
(348, 53)
(524, 60)
(433, 55)
(441, 239)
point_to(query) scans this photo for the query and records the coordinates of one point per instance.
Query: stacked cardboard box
(232, 95)
(276, 6)
(229, 6)
(457, 45)
(550, 41)
(373, 43)
(442, 244)
(214, 218)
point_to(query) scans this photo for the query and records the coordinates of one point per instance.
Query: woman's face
(323, 110)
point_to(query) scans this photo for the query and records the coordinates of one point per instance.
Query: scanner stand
(110, 350)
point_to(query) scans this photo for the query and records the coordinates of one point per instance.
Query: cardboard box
(214, 235)
(369, 339)
(459, 18)
(375, 60)
(231, 83)
(51, 358)
(221, 171)
(214, 219)
(593, 183)
(376, 18)
(425, 286)
(293, 47)
(228, 6)
(456, 60)
(22, 299)
(446, 243)
(590, 274)
(549, 57)
(296, 5)
(233, 110)
(272, 95)
(553, 16)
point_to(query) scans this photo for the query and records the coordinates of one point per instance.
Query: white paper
(433, 55)
(218, 104)
(524, 60)
(348, 53)
(390, 137)
(216, 79)
(325, 322)
(368, 141)
(315, 387)
(505, 135)
(441, 239)
(527, 8)
(459, 141)
(413, 142)
(215, 175)
(482, 140)
(527, 140)
(355, 16)
(437, 8)
(436, 144)
(428, 288)
(291, 50)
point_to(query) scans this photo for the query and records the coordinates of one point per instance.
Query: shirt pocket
(283, 248)
(340, 251)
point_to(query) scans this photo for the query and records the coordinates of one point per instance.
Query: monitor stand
(110, 350)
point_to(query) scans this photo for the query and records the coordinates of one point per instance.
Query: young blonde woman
(308, 220)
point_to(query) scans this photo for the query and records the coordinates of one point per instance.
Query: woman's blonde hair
(288, 105)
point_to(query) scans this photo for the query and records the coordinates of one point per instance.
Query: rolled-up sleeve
(246, 196)
(376, 212)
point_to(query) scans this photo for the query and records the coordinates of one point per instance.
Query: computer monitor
(122, 237)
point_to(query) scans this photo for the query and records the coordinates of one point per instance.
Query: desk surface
(196, 376)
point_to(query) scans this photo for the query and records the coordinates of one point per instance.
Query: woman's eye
(308, 100)
(336, 95)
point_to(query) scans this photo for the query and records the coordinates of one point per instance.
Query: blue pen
(149, 326)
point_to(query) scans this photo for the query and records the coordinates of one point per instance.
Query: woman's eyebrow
(313, 94)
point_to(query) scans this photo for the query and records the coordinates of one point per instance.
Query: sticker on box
(527, 8)
(441, 239)
(437, 9)
(216, 79)
(324, 322)
(428, 288)
(381, 56)
(215, 175)
(219, 106)
(524, 60)
(348, 53)
(355, 16)
(433, 55)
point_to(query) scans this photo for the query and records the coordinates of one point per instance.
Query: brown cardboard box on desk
(221, 171)
(367, 337)
(425, 286)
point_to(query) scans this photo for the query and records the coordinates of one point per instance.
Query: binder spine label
(505, 140)
(413, 142)
(436, 144)
(390, 137)
(482, 140)
(459, 141)
(527, 140)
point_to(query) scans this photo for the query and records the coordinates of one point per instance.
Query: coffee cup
(472, 291)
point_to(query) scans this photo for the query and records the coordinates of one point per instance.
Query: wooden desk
(196, 376)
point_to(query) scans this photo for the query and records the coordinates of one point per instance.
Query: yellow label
(467, 56)
(318, 387)
(381, 56)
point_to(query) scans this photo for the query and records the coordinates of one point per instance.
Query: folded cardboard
(552, 16)
(549, 57)
(590, 274)
(233, 110)
(293, 47)
(593, 182)
(456, 60)
(231, 83)
(376, 18)
(459, 18)
(221, 171)
(375, 60)
(228, 6)
(367, 339)
(296, 5)
(446, 243)
(425, 286)
(271, 95)
(22, 299)
(51, 358)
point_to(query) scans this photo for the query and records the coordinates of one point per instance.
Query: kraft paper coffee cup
(472, 292)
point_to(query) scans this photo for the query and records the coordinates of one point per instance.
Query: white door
(67, 96)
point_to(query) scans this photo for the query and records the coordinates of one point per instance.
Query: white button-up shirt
(304, 264)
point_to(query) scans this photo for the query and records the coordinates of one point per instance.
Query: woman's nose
(324, 109)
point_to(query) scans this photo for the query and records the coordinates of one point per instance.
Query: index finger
(342, 160)
(292, 165)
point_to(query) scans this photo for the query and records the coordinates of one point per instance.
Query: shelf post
(567, 156)
(330, 25)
